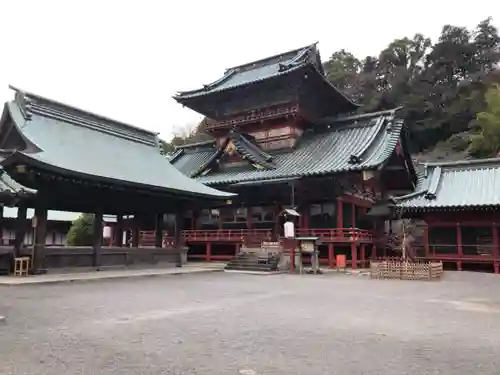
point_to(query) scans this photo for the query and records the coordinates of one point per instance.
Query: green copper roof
(264, 69)
(469, 183)
(346, 144)
(9, 186)
(73, 141)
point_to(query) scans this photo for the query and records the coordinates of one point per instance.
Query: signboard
(307, 246)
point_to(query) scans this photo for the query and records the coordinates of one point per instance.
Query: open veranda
(222, 323)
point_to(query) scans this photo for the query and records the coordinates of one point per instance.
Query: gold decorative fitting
(230, 148)
(21, 169)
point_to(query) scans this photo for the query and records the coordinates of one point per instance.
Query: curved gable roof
(76, 142)
(467, 183)
(350, 144)
(264, 69)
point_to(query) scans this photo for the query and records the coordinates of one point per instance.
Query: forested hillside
(440, 85)
(447, 89)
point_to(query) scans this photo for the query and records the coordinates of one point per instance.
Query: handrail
(225, 234)
(350, 234)
(337, 233)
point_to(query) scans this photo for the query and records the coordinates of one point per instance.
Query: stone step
(264, 267)
(243, 265)
(253, 262)
(256, 269)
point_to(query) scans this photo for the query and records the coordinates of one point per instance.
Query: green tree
(343, 70)
(486, 142)
(440, 86)
(190, 133)
(81, 231)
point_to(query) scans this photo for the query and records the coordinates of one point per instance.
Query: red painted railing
(237, 235)
(338, 234)
(265, 114)
(232, 235)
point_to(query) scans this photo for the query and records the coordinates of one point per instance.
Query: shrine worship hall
(285, 138)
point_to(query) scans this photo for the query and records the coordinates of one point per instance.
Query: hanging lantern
(106, 231)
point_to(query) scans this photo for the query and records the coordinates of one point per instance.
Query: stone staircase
(254, 262)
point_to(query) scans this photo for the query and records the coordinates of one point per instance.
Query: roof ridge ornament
(24, 103)
(434, 184)
(377, 122)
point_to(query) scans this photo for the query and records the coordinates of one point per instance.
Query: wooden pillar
(40, 223)
(340, 217)
(135, 227)
(305, 217)
(374, 251)
(179, 221)
(118, 232)
(354, 256)
(196, 219)
(179, 242)
(249, 218)
(1, 225)
(21, 226)
(97, 239)
(208, 252)
(276, 228)
(460, 248)
(362, 255)
(426, 242)
(331, 255)
(353, 215)
(159, 230)
(496, 250)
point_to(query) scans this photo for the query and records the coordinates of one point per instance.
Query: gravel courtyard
(222, 323)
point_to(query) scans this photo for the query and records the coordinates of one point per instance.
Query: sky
(125, 59)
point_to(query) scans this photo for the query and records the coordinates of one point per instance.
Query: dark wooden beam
(69, 194)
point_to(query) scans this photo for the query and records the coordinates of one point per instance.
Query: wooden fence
(406, 270)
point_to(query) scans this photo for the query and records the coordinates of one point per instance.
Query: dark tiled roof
(244, 146)
(470, 183)
(354, 143)
(77, 142)
(257, 71)
(262, 70)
